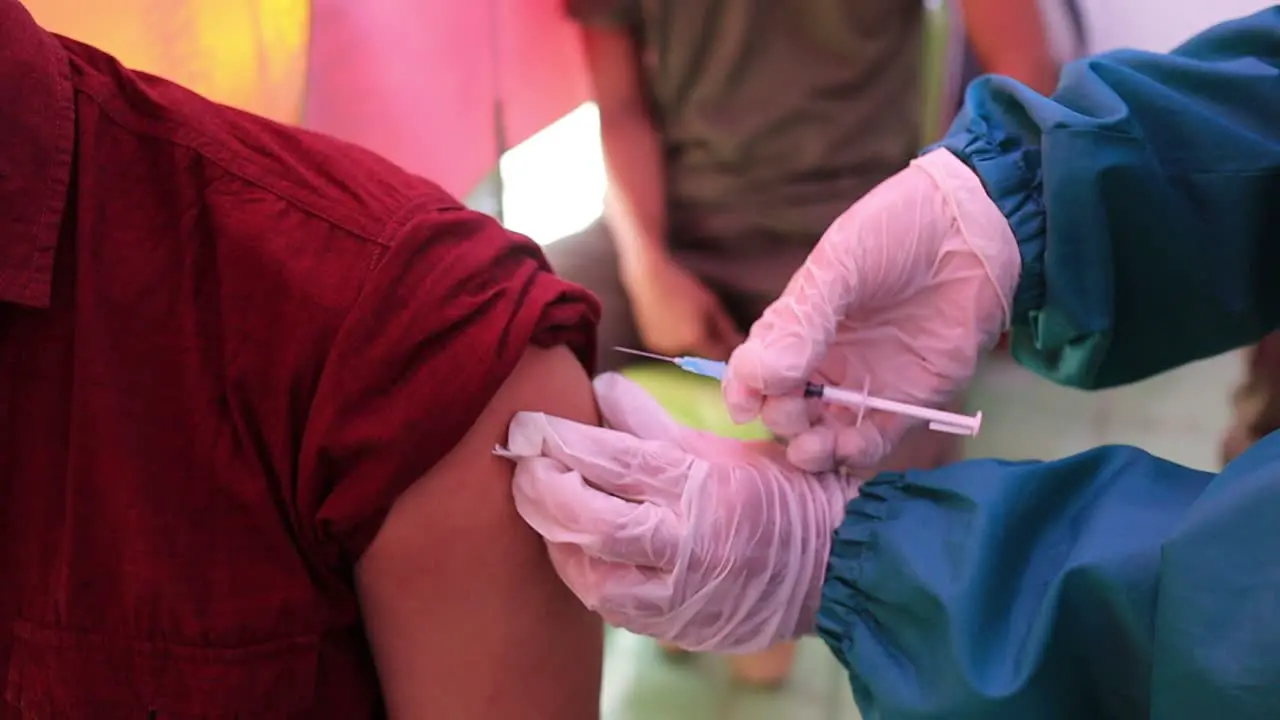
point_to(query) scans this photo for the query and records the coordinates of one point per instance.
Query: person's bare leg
(465, 613)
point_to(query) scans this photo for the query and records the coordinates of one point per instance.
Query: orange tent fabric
(246, 53)
(419, 81)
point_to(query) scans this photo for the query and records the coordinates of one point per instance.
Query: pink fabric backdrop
(416, 80)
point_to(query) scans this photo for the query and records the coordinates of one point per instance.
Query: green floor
(1179, 416)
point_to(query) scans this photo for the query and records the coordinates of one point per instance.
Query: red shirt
(226, 346)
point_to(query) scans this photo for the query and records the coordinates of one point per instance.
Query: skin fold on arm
(465, 614)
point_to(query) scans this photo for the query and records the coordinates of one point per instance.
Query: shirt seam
(199, 145)
(30, 277)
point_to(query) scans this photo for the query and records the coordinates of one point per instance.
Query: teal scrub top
(1145, 197)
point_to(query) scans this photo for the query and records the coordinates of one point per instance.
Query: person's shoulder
(302, 172)
(341, 183)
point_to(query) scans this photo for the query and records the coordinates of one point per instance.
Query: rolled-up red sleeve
(448, 310)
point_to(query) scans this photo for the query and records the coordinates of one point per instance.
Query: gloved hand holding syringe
(939, 420)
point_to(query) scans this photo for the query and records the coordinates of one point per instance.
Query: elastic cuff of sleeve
(852, 546)
(1012, 178)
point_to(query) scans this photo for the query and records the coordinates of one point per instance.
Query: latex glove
(676, 314)
(706, 543)
(907, 289)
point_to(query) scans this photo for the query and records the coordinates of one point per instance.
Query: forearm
(1012, 590)
(635, 203)
(1009, 38)
(1142, 197)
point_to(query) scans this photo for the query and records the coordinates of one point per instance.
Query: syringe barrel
(852, 399)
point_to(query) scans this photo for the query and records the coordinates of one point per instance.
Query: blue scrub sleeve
(1107, 585)
(1145, 197)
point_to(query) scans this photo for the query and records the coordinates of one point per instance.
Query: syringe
(939, 420)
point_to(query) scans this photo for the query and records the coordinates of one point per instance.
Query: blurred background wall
(246, 53)
(1158, 24)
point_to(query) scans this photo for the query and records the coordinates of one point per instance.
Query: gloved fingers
(627, 407)
(646, 602)
(809, 428)
(630, 597)
(789, 415)
(557, 503)
(791, 338)
(814, 449)
(837, 440)
(615, 462)
(868, 444)
(743, 401)
(771, 362)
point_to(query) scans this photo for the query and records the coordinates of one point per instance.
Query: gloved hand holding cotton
(707, 543)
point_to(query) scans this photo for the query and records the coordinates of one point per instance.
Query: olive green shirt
(776, 114)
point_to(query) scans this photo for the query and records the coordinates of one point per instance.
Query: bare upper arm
(613, 62)
(465, 614)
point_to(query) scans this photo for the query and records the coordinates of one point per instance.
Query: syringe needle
(642, 353)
